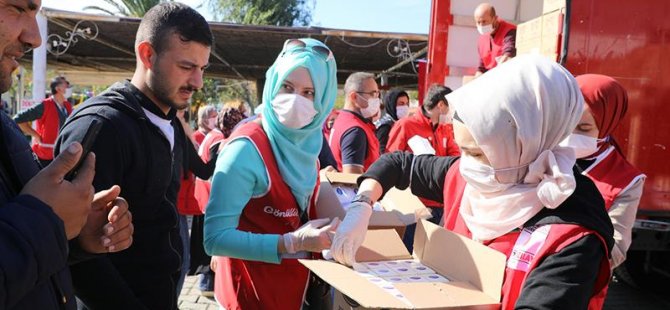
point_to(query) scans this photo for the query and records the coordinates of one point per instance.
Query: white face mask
(372, 109)
(445, 119)
(68, 92)
(402, 111)
(486, 29)
(293, 111)
(583, 145)
(482, 177)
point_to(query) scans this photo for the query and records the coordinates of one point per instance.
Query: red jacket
(243, 284)
(48, 127)
(345, 121)
(491, 47)
(441, 138)
(612, 175)
(525, 250)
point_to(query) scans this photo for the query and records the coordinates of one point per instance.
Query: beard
(158, 83)
(6, 70)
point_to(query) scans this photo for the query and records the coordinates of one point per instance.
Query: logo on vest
(293, 212)
(528, 244)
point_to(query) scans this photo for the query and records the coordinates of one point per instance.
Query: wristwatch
(363, 198)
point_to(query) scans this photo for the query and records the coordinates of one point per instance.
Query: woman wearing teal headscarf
(263, 190)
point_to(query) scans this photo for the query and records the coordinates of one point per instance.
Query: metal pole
(40, 61)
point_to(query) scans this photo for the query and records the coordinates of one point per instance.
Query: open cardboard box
(474, 270)
(401, 208)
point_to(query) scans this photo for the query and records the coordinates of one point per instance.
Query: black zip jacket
(133, 153)
(564, 280)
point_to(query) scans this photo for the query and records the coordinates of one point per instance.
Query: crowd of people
(524, 152)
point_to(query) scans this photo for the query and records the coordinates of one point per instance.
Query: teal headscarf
(297, 150)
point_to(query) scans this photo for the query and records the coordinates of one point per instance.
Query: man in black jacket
(39, 211)
(144, 149)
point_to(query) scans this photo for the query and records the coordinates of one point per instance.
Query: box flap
(382, 244)
(356, 287)
(405, 203)
(339, 177)
(459, 258)
(328, 206)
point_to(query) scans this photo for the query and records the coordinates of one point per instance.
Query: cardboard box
(468, 78)
(552, 5)
(475, 272)
(552, 30)
(401, 208)
(529, 36)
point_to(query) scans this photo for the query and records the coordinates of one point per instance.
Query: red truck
(627, 40)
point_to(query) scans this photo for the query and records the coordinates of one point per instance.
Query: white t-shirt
(163, 124)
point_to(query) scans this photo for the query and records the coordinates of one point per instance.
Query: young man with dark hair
(49, 115)
(144, 149)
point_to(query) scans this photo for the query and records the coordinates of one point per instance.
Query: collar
(426, 118)
(148, 104)
(367, 121)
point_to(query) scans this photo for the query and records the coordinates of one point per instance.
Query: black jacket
(33, 245)
(134, 153)
(564, 280)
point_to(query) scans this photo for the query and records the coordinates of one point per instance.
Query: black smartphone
(86, 144)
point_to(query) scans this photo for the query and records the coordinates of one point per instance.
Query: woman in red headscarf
(600, 158)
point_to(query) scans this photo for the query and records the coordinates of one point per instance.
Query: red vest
(441, 139)
(186, 202)
(612, 174)
(526, 249)
(344, 122)
(490, 48)
(203, 187)
(243, 284)
(48, 127)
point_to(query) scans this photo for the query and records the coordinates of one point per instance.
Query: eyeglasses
(292, 46)
(374, 93)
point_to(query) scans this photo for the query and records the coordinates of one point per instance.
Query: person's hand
(38, 138)
(109, 227)
(329, 169)
(351, 233)
(71, 201)
(314, 236)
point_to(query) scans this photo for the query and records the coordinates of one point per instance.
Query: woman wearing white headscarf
(513, 189)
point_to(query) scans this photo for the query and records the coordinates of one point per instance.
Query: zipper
(62, 298)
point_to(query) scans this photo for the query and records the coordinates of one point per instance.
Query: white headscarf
(518, 113)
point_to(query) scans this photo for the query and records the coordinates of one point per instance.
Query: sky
(411, 16)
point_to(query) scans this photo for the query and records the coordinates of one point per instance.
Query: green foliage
(131, 8)
(263, 12)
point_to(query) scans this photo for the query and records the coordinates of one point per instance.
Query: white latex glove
(313, 236)
(351, 233)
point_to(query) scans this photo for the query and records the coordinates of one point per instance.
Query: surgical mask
(372, 109)
(486, 29)
(445, 119)
(68, 92)
(293, 111)
(582, 144)
(402, 111)
(483, 177)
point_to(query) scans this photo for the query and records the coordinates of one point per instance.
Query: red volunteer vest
(612, 175)
(48, 127)
(490, 48)
(186, 202)
(243, 284)
(203, 187)
(526, 249)
(344, 122)
(442, 140)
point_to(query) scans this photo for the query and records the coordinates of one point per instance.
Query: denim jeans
(186, 255)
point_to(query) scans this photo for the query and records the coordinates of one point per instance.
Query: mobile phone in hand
(86, 144)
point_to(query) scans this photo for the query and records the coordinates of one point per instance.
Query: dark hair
(434, 95)
(167, 18)
(55, 82)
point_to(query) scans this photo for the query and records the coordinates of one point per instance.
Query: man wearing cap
(49, 117)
